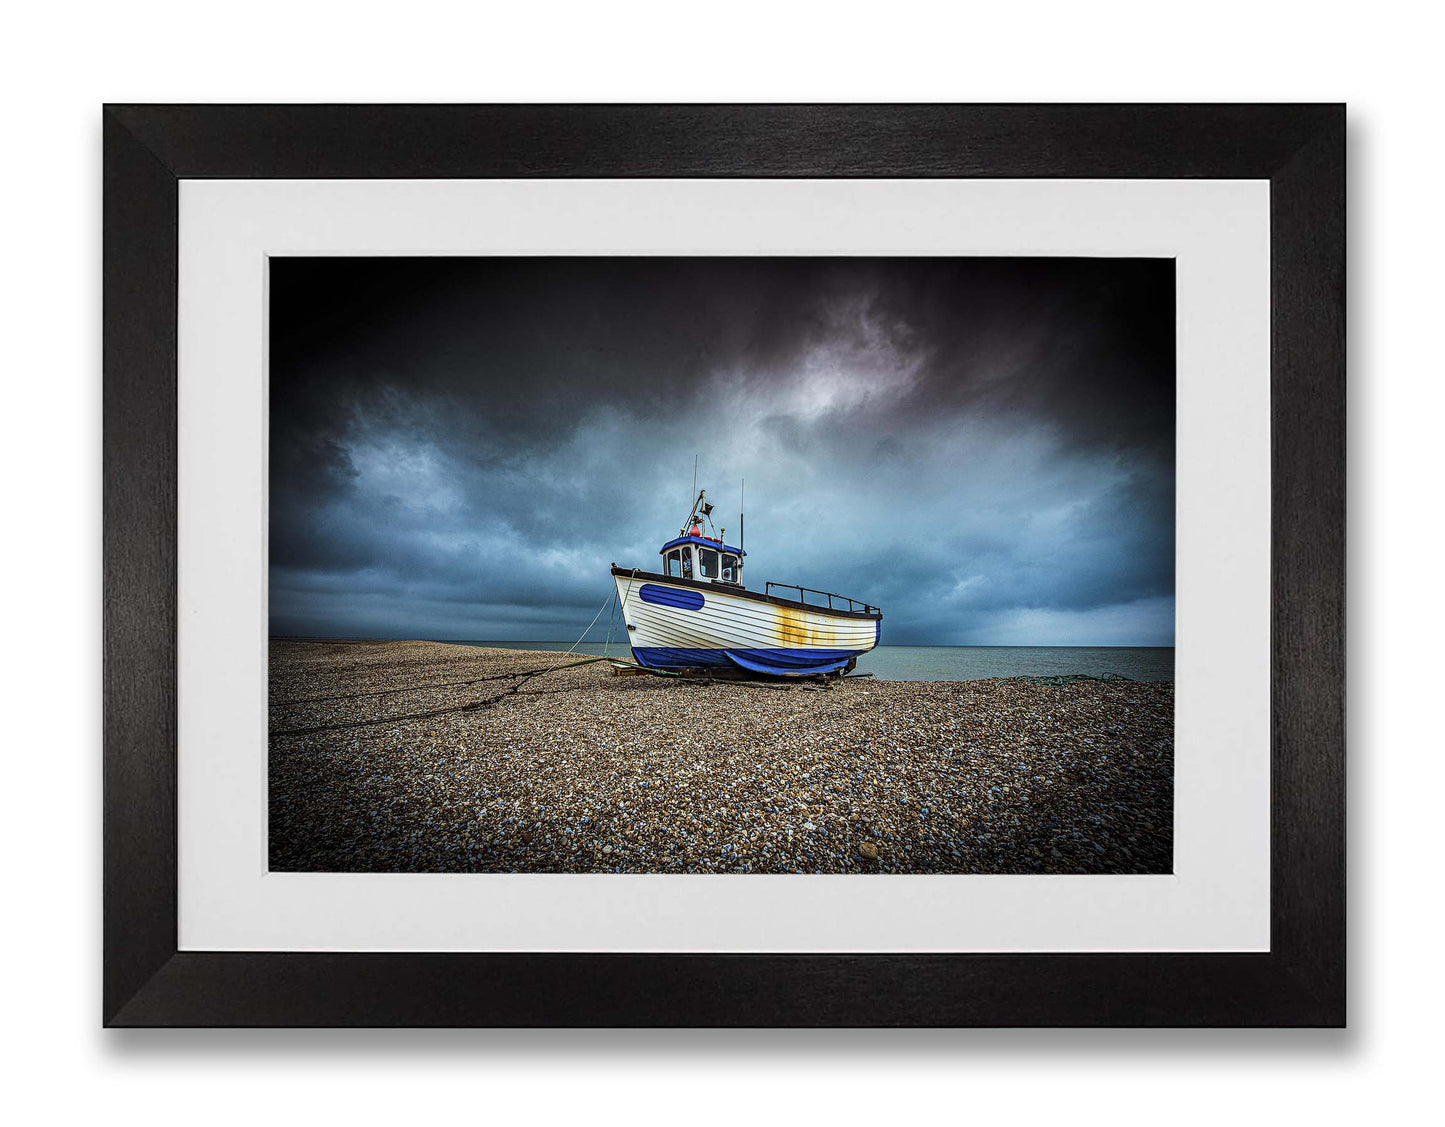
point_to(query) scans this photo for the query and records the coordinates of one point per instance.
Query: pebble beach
(428, 757)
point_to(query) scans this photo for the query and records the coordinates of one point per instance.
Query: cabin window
(686, 562)
(730, 568)
(674, 564)
(708, 563)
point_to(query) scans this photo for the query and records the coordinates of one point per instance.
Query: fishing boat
(694, 612)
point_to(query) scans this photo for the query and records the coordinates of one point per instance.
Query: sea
(953, 663)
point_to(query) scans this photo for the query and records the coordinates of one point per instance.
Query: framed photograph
(724, 565)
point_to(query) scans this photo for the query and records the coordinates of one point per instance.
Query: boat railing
(854, 605)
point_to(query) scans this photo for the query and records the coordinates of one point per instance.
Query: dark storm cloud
(984, 447)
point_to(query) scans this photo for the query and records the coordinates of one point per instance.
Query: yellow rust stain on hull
(798, 628)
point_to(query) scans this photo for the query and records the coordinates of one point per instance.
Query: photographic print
(722, 565)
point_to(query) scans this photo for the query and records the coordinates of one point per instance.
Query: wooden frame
(1298, 148)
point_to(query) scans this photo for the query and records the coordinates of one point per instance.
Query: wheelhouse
(704, 558)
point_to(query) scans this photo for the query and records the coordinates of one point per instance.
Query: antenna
(742, 493)
(692, 500)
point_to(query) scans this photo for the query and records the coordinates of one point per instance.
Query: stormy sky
(982, 447)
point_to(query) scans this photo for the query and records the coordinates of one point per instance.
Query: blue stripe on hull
(667, 657)
(785, 662)
(777, 662)
(670, 597)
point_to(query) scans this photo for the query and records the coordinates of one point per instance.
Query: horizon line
(881, 646)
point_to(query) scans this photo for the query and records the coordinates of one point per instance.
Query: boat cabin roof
(705, 541)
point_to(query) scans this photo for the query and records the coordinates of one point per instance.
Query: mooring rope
(593, 623)
(611, 622)
(471, 706)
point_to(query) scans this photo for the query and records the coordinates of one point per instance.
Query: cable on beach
(458, 684)
(522, 675)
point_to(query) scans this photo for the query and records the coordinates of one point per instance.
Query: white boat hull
(690, 625)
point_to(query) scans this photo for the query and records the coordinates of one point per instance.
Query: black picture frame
(1299, 149)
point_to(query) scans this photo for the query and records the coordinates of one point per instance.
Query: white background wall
(61, 62)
